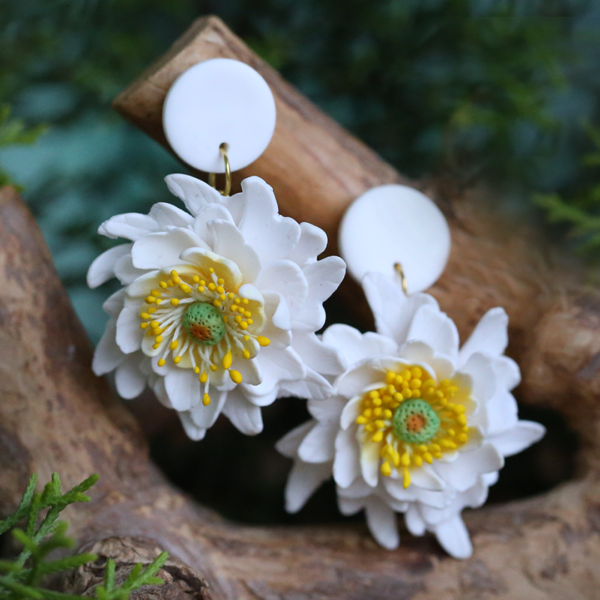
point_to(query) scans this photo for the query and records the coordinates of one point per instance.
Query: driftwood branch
(55, 415)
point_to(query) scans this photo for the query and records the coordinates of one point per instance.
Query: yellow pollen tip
(213, 367)
(236, 376)
(174, 301)
(386, 469)
(247, 337)
(263, 341)
(227, 360)
(220, 289)
(173, 345)
(150, 299)
(196, 279)
(177, 360)
(246, 354)
(196, 370)
(231, 295)
(158, 339)
(161, 362)
(155, 324)
(216, 303)
(144, 325)
(243, 325)
(206, 399)
(156, 346)
(245, 300)
(211, 270)
(163, 285)
(145, 315)
(378, 436)
(220, 281)
(203, 377)
(406, 478)
(212, 287)
(156, 293)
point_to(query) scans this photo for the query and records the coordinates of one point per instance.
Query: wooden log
(317, 169)
(55, 415)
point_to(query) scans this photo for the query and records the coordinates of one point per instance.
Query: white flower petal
(454, 538)
(436, 329)
(205, 216)
(319, 444)
(182, 388)
(483, 377)
(205, 260)
(350, 412)
(114, 303)
(420, 352)
(194, 193)
(413, 520)
(501, 411)
(129, 380)
(490, 336)
(244, 415)
(108, 355)
(346, 465)
(381, 520)
(286, 278)
(288, 445)
(129, 334)
(349, 506)
(303, 480)
(229, 242)
(324, 277)
(462, 473)
(313, 386)
(521, 436)
(103, 267)
(357, 379)
(369, 462)
(317, 355)
(125, 272)
(271, 235)
(163, 249)
(392, 310)
(313, 242)
(356, 346)
(205, 416)
(131, 226)
(192, 430)
(166, 215)
(327, 411)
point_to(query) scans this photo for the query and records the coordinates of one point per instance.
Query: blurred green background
(498, 91)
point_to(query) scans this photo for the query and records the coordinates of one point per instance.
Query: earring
(415, 424)
(220, 302)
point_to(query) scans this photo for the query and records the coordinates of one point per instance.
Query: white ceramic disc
(219, 101)
(395, 224)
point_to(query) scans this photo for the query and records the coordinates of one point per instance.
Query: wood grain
(55, 415)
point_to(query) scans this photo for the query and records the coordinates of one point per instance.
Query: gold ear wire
(212, 177)
(400, 272)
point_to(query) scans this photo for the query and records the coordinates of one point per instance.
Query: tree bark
(55, 415)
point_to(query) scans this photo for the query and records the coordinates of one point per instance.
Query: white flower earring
(415, 424)
(220, 304)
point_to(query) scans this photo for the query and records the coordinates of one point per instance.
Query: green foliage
(14, 131)
(579, 212)
(43, 533)
(492, 89)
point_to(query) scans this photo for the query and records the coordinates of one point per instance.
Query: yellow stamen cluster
(162, 316)
(376, 420)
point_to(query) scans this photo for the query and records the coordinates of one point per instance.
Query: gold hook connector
(212, 177)
(400, 272)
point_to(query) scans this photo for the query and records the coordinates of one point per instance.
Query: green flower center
(204, 324)
(415, 422)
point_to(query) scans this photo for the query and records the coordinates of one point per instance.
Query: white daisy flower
(219, 307)
(415, 425)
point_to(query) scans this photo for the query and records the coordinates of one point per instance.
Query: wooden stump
(55, 415)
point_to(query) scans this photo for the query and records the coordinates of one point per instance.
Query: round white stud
(214, 102)
(395, 224)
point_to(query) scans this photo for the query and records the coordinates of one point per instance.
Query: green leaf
(23, 508)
